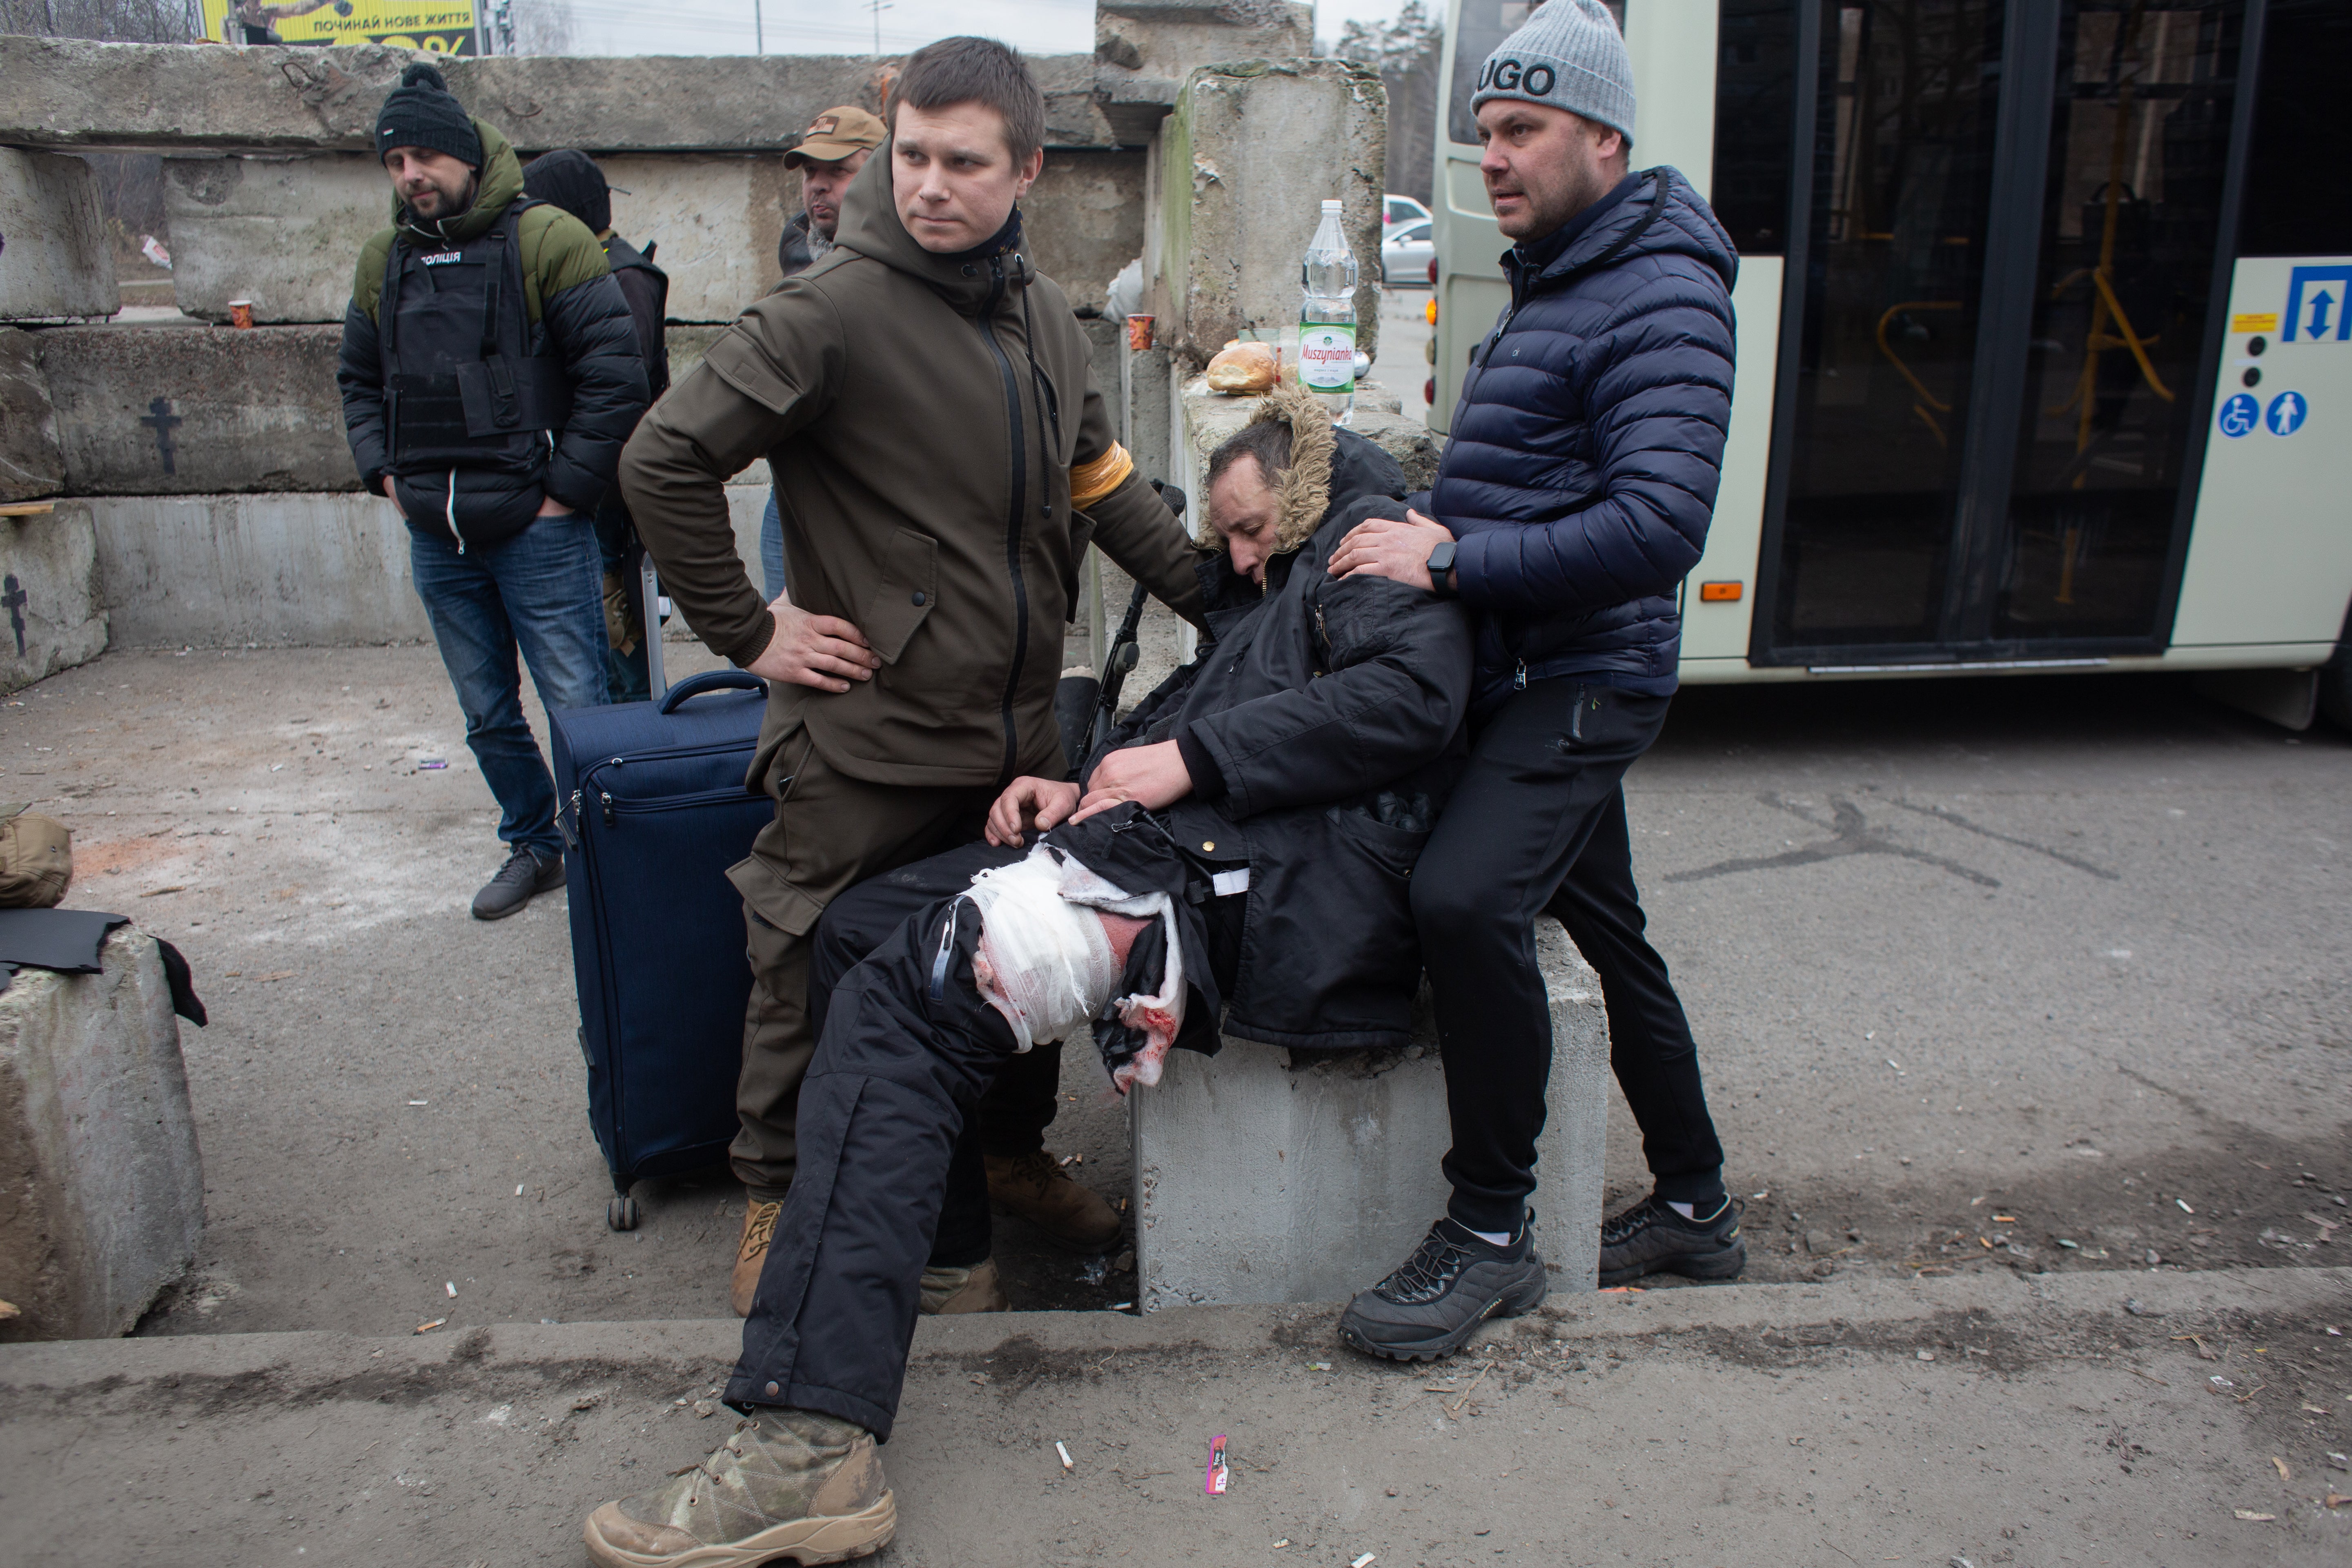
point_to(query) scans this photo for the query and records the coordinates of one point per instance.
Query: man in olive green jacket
(942, 458)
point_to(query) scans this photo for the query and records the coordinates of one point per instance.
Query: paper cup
(240, 312)
(1138, 333)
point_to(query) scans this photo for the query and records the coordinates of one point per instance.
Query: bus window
(2132, 202)
(1754, 121)
(1902, 191)
(2298, 188)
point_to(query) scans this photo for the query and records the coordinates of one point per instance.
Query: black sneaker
(522, 879)
(1452, 1282)
(1650, 1237)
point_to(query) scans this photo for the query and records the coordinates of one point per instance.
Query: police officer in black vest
(490, 375)
(571, 179)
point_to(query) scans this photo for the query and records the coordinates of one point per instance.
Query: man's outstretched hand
(823, 651)
(1151, 776)
(1029, 805)
(1387, 548)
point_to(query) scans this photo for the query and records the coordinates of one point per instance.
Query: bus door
(2000, 323)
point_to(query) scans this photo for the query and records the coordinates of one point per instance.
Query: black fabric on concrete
(183, 982)
(66, 941)
(1537, 823)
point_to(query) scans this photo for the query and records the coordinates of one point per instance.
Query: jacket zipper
(1018, 468)
(452, 513)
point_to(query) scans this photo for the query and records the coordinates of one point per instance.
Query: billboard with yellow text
(443, 26)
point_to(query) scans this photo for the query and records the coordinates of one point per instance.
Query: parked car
(1406, 253)
(1398, 210)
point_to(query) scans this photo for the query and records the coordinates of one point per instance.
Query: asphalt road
(1978, 969)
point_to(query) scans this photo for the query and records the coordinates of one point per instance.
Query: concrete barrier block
(222, 571)
(54, 259)
(50, 614)
(1263, 1175)
(1168, 38)
(191, 410)
(31, 463)
(69, 92)
(1248, 159)
(282, 231)
(715, 220)
(1083, 221)
(97, 1147)
(73, 92)
(300, 571)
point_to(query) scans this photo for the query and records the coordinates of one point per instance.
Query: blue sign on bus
(2287, 412)
(2239, 416)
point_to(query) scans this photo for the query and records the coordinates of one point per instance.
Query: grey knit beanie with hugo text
(1570, 56)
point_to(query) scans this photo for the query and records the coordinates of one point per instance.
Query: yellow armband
(1089, 482)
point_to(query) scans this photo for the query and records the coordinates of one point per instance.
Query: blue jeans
(543, 591)
(772, 550)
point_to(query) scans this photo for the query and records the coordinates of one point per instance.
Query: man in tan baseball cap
(830, 152)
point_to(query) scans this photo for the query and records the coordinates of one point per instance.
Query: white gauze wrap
(1049, 966)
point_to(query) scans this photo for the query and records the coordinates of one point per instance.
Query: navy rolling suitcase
(654, 810)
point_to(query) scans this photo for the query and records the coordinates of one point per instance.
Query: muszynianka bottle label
(1326, 356)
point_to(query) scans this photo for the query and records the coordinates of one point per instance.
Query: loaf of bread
(1243, 367)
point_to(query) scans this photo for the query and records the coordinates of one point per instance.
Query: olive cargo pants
(832, 832)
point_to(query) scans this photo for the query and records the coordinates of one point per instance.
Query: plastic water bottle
(1326, 317)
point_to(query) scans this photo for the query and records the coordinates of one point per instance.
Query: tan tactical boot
(759, 1229)
(1035, 1187)
(790, 1484)
(973, 1289)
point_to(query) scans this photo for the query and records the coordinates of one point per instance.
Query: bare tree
(543, 27)
(1406, 53)
(115, 21)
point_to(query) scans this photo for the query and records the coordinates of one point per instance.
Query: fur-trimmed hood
(1329, 467)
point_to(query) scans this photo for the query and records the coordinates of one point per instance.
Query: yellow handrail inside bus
(1927, 400)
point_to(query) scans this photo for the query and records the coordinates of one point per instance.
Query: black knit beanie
(420, 112)
(569, 179)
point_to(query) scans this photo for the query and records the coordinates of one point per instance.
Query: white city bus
(2045, 361)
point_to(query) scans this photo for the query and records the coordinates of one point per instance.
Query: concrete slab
(50, 615)
(98, 1146)
(196, 410)
(715, 220)
(1263, 1175)
(306, 570)
(70, 92)
(30, 462)
(283, 231)
(1997, 1420)
(1084, 220)
(1236, 215)
(55, 261)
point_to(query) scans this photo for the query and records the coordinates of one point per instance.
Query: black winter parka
(1334, 712)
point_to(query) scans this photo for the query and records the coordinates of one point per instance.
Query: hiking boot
(751, 1253)
(1650, 1237)
(790, 1485)
(1035, 1187)
(522, 879)
(1453, 1282)
(973, 1289)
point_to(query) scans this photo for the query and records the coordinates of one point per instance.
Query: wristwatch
(1440, 570)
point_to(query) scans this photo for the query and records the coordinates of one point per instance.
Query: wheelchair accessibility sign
(2242, 416)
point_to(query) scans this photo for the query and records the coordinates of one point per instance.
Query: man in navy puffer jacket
(1571, 500)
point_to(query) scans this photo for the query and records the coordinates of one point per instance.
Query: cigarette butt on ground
(1067, 1463)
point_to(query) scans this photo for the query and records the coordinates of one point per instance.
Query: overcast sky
(846, 26)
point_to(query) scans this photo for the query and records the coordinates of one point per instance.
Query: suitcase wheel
(623, 1213)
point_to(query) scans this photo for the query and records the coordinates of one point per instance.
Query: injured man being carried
(1236, 855)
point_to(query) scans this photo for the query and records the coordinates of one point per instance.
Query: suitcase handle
(711, 681)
